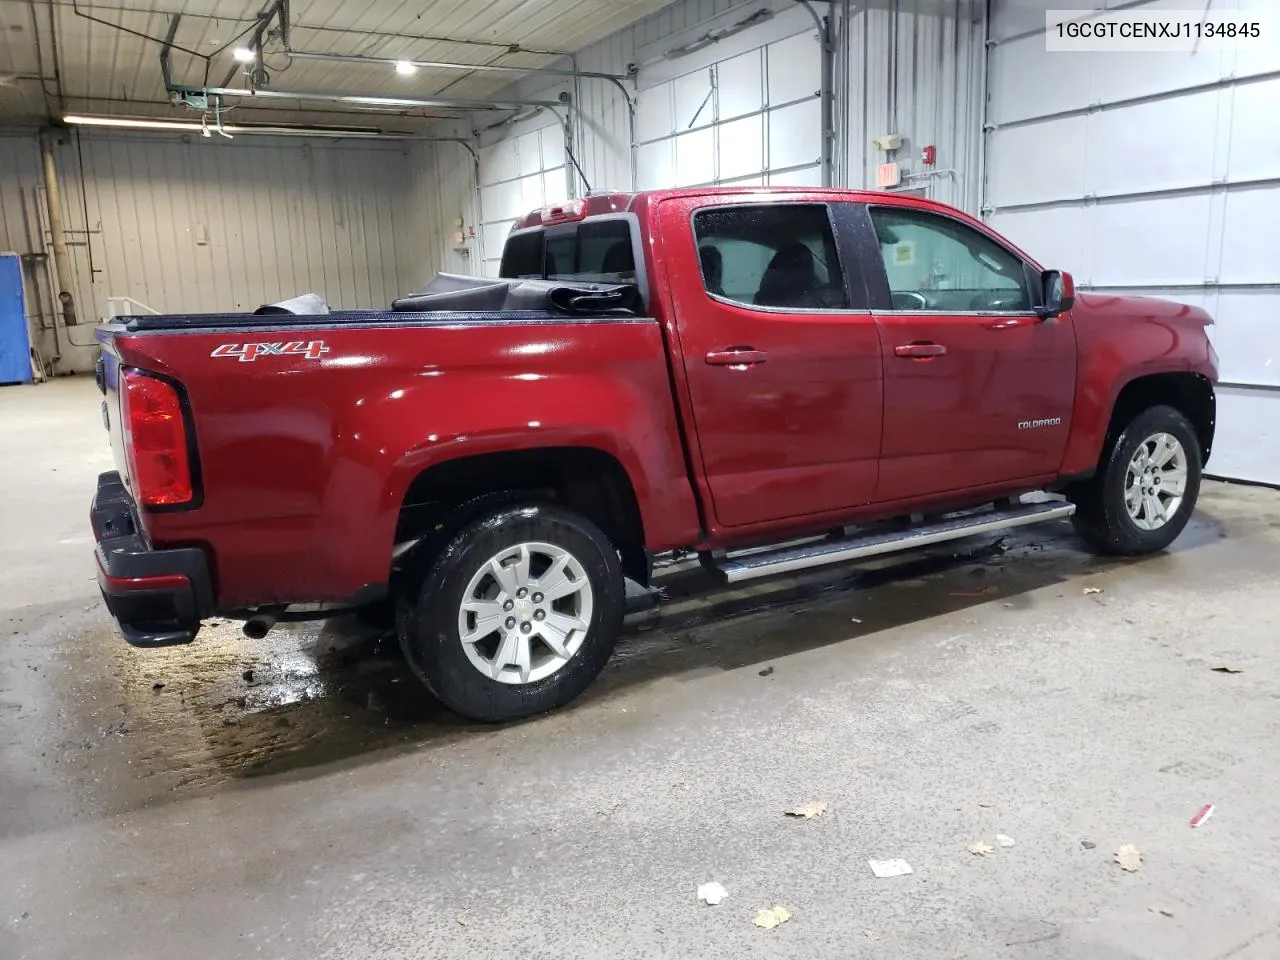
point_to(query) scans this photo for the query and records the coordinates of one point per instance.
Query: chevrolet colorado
(775, 379)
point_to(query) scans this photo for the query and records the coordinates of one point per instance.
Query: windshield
(598, 251)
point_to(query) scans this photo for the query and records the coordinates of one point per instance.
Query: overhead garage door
(518, 174)
(746, 110)
(1157, 174)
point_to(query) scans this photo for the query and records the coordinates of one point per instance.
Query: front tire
(1146, 486)
(517, 614)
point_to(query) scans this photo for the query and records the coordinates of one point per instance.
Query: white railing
(126, 307)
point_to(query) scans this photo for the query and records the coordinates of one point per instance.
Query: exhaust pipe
(257, 627)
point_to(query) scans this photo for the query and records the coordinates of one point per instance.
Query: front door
(781, 357)
(978, 389)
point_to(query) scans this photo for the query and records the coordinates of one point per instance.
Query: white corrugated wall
(197, 225)
(1154, 174)
(904, 67)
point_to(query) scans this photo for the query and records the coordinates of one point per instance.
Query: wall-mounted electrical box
(890, 141)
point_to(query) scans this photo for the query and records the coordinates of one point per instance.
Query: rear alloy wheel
(525, 613)
(517, 614)
(1146, 487)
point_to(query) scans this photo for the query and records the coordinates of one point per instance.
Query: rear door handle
(735, 356)
(919, 350)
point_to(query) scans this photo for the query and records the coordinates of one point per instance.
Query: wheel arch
(1191, 394)
(593, 482)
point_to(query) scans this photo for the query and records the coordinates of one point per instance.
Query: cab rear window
(599, 251)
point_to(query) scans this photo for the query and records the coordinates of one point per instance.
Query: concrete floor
(322, 806)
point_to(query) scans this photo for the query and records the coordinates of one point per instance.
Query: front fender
(1120, 340)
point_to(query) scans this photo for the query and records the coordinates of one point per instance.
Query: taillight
(155, 434)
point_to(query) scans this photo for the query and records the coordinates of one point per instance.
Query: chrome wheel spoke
(556, 639)
(514, 651)
(555, 579)
(1165, 448)
(1153, 508)
(488, 615)
(511, 576)
(1174, 483)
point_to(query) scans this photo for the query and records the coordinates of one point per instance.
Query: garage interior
(300, 796)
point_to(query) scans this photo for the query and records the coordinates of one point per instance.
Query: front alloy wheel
(1145, 488)
(1155, 481)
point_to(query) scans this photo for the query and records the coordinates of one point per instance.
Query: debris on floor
(1037, 938)
(854, 620)
(1091, 591)
(1088, 844)
(1129, 857)
(1225, 668)
(808, 811)
(981, 849)
(1161, 910)
(711, 893)
(768, 919)
(1205, 813)
(157, 686)
(1004, 840)
(983, 592)
(985, 804)
(248, 676)
(767, 671)
(890, 868)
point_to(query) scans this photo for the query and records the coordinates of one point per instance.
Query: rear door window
(595, 250)
(781, 256)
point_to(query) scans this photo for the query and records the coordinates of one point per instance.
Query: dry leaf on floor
(807, 811)
(981, 849)
(1003, 840)
(768, 919)
(711, 893)
(1129, 857)
(1090, 591)
(1225, 668)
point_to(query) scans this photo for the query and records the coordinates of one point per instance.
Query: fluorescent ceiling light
(244, 55)
(188, 126)
(405, 67)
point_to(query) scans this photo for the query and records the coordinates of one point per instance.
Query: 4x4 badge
(248, 352)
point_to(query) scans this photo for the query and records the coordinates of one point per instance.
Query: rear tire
(516, 615)
(1146, 486)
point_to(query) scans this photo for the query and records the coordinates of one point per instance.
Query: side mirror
(1058, 293)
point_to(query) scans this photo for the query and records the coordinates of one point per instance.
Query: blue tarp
(15, 343)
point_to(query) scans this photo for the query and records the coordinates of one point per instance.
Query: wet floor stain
(163, 724)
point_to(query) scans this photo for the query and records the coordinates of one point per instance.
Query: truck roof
(605, 202)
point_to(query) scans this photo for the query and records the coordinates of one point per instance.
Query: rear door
(781, 356)
(978, 389)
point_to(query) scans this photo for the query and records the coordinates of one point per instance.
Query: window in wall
(936, 263)
(782, 255)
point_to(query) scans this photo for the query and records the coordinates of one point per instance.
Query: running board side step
(877, 543)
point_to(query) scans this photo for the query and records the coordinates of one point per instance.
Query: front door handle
(736, 356)
(918, 351)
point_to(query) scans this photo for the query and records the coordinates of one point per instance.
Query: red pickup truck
(775, 379)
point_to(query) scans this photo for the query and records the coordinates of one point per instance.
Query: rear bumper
(158, 597)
